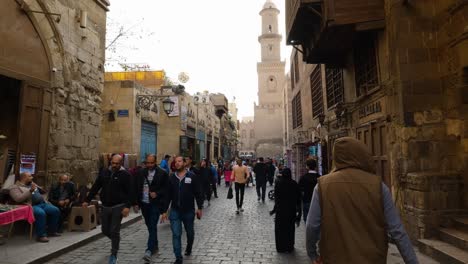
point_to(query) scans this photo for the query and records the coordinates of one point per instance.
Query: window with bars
(365, 63)
(335, 86)
(297, 110)
(316, 87)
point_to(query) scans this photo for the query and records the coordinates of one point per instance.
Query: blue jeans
(43, 213)
(151, 214)
(305, 210)
(177, 218)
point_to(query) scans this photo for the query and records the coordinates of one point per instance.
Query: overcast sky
(213, 41)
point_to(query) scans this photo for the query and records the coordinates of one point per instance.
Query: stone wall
(428, 115)
(78, 84)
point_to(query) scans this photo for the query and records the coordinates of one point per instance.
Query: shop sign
(122, 113)
(370, 109)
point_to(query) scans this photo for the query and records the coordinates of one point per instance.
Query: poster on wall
(175, 99)
(319, 159)
(28, 163)
(313, 151)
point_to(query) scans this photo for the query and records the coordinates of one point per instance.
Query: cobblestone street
(220, 237)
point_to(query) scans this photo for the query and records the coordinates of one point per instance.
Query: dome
(269, 4)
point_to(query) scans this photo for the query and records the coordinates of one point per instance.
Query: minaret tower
(271, 69)
(269, 111)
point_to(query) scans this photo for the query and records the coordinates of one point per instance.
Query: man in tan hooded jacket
(352, 212)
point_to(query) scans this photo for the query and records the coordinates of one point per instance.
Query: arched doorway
(25, 91)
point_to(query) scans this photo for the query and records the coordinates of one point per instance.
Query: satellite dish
(183, 77)
(196, 98)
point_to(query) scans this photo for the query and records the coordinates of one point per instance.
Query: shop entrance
(9, 116)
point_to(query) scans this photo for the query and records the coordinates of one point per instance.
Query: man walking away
(116, 197)
(261, 172)
(307, 183)
(165, 163)
(352, 212)
(271, 172)
(183, 190)
(214, 181)
(240, 175)
(151, 190)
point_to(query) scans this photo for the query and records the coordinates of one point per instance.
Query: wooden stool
(98, 206)
(82, 219)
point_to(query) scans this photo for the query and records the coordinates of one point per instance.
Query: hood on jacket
(349, 152)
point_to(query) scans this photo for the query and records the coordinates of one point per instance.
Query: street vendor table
(16, 213)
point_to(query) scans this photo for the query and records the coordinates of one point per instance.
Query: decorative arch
(35, 56)
(48, 31)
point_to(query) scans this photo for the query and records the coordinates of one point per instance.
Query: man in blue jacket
(165, 164)
(183, 190)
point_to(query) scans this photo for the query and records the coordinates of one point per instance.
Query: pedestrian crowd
(349, 213)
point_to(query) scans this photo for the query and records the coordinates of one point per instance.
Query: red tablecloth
(23, 212)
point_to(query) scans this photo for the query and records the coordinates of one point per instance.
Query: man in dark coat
(189, 165)
(271, 172)
(307, 184)
(288, 211)
(261, 172)
(151, 191)
(63, 195)
(117, 196)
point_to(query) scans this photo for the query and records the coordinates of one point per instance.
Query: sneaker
(188, 252)
(258, 199)
(179, 261)
(237, 211)
(112, 259)
(263, 201)
(155, 250)
(242, 210)
(43, 239)
(147, 255)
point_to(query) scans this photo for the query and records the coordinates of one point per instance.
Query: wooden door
(375, 137)
(34, 122)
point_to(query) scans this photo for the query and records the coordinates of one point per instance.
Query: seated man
(63, 195)
(25, 191)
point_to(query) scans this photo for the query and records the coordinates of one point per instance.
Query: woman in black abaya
(288, 211)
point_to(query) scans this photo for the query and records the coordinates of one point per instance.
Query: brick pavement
(220, 237)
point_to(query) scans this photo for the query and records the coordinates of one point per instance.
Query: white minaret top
(270, 39)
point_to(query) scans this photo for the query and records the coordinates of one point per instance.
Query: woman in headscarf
(288, 211)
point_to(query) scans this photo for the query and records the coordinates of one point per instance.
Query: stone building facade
(269, 111)
(51, 73)
(247, 137)
(392, 74)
